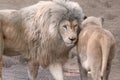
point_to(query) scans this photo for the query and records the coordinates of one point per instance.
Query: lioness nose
(72, 38)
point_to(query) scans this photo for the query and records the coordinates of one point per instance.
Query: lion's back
(6, 14)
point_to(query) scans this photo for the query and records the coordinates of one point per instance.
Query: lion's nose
(72, 38)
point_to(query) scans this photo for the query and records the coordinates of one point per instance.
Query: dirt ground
(109, 9)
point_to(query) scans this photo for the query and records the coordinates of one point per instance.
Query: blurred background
(109, 9)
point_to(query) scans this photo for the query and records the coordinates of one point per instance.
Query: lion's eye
(65, 26)
(76, 26)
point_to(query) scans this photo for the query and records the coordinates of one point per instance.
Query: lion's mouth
(70, 44)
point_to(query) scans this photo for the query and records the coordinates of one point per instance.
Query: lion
(43, 34)
(96, 49)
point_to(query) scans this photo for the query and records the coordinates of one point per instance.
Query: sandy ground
(109, 9)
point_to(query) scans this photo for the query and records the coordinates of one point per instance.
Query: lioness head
(93, 20)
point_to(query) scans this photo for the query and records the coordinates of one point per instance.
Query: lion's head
(62, 19)
(69, 31)
(67, 17)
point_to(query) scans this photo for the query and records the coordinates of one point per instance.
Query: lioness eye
(65, 26)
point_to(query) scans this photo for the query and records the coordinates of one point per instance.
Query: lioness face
(69, 31)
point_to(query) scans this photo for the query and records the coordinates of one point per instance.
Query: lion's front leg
(33, 67)
(56, 70)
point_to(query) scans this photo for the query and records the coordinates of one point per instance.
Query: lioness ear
(102, 20)
(60, 0)
(85, 17)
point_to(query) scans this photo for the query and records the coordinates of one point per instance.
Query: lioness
(96, 48)
(43, 33)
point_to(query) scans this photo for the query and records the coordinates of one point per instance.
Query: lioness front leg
(1, 52)
(56, 70)
(84, 74)
(33, 70)
(0, 70)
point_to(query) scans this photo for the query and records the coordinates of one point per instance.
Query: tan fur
(43, 33)
(0, 69)
(96, 47)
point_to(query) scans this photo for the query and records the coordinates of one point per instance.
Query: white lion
(43, 33)
(96, 48)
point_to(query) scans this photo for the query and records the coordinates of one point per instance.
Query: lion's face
(69, 31)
